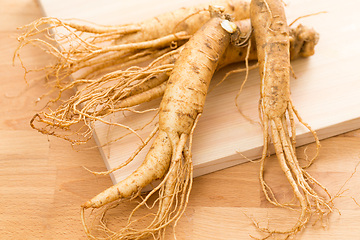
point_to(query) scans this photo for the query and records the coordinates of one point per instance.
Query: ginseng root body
(90, 49)
(122, 89)
(169, 157)
(272, 40)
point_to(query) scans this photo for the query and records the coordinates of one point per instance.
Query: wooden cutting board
(326, 91)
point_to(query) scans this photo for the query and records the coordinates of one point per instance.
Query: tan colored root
(247, 68)
(305, 16)
(97, 100)
(74, 52)
(276, 110)
(175, 187)
(116, 62)
(158, 43)
(301, 182)
(306, 39)
(131, 158)
(120, 90)
(174, 191)
(316, 138)
(79, 45)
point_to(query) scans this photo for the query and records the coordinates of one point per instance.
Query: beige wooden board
(326, 91)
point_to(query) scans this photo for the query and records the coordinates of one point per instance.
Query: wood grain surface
(43, 182)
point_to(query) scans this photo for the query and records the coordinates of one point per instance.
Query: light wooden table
(43, 182)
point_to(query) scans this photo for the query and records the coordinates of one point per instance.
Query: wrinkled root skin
(272, 37)
(169, 157)
(120, 90)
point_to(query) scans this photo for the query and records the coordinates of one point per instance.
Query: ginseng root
(272, 40)
(94, 48)
(120, 90)
(169, 157)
